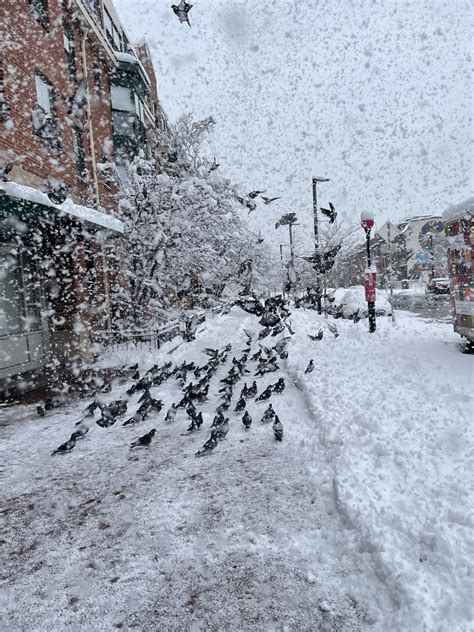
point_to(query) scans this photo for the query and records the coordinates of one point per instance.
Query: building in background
(418, 251)
(76, 102)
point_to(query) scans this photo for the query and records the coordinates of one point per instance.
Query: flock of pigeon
(195, 382)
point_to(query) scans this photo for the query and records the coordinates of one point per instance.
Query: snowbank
(393, 411)
(354, 300)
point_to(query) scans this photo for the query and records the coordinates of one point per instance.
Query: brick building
(77, 102)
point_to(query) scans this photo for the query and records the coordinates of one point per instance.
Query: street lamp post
(316, 233)
(288, 220)
(367, 222)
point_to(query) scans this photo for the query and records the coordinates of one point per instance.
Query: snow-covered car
(438, 286)
(353, 303)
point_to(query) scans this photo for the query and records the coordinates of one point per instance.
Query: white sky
(374, 94)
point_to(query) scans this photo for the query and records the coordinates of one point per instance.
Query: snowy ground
(358, 520)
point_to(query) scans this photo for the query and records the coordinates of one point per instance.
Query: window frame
(49, 111)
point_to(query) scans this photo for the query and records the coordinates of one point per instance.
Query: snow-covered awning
(83, 213)
(458, 210)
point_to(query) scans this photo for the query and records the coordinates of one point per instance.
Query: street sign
(370, 281)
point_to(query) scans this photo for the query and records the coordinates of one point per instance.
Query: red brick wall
(29, 47)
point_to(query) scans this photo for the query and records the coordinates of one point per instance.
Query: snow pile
(354, 301)
(393, 411)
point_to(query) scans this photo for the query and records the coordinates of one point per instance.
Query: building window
(78, 151)
(44, 124)
(39, 9)
(44, 95)
(68, 40)
(112, 32)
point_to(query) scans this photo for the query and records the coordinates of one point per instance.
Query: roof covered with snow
(84, 213)
(454, 212)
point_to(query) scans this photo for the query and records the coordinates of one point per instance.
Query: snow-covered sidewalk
(393, 414)
(357, 520)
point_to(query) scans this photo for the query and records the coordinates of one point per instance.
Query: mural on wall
(428, 247)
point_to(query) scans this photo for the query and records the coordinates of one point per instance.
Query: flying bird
(333, 329)
(254, 194)
(319, 335)
(267, 200)
(329, 212)
(214, 166)
(145, 440)
(181, 11)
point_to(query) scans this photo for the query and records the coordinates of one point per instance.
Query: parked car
(438, 286)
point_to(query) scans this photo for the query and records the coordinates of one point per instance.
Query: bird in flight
(181, 10)
(267, 200)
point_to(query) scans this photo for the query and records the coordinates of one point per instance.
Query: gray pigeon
(209, 446)
(65, 447)
(145, 440)
(171, 414)
(277, 429)
(240, 405)
(269, 414)
(222, 430)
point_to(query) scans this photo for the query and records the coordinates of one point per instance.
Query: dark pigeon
(209, 446)
(145, 440)
(310, 367)
(65, 447)
(277, 429)
(247, 420)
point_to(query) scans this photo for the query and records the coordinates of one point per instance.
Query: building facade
(417, 247)
(76, 104)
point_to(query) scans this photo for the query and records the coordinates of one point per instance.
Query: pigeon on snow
(266, 394)
(240, 405)
(145, 440)
(222, 430)
(279, 386)
(66, 446)
(247, 420)
(209, 446)
(171, 414)
(269, 414)
(277, 429)
(310, 367)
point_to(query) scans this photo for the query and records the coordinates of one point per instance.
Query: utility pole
(282, 270)
(316, 234)
(390, 269)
